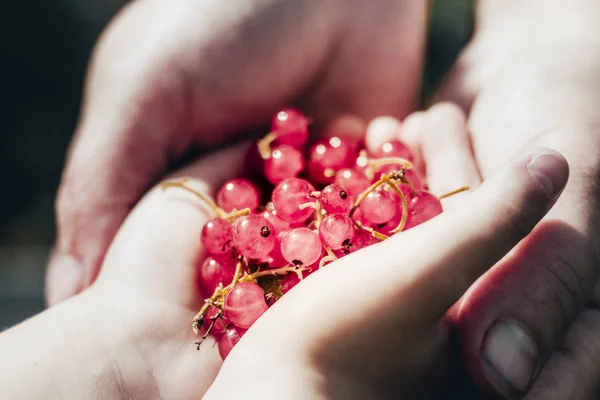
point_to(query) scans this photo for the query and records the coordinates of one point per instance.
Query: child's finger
(410, 133)
(381, 130)
(447, 152)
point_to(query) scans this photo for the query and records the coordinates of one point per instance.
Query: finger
(158, 249)
(410, 133)
(494, 219)
(573, 371)
(447, 152)
(381, 130)
(386, 128)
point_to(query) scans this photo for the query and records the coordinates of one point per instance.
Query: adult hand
(168, 77)
(531, 325)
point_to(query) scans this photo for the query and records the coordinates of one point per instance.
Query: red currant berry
(285, 162)
(244, 304)
(289, 195)
(291, 127)
(253, 236)
(216, 236)
(237, 194)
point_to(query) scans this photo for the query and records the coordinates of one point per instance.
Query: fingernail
(64, 279)
(509, 358)
(551, 171)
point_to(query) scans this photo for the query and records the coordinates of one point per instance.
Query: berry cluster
(326, 201)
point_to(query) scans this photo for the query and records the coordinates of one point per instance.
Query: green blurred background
(44, 51)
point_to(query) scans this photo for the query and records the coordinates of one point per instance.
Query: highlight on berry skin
(325, 200)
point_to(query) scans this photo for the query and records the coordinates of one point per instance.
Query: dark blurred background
(44, 50)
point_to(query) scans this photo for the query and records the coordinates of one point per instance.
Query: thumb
(520, 315)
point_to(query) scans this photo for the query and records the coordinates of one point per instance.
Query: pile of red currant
(327, 200)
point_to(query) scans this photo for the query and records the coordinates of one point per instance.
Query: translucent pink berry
(274, 259)
(216, 236)
(360, 240)
(387, 227)
(335, 200)
(336, 231)
(215, 270)
(253, 236)
(355, 182)
(289, 195)
(379, 206)
(393, 148)
(422, 207)
(285, 162)
(238, 194)
(291, 127)
(301, 246)
(327, 156)
(244, 304)
(228, 341)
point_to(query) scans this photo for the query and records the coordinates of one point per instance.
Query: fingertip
(410, 133)
(550, 170)
(448, 112)
(380, 130)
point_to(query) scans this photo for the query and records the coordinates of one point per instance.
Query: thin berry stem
(199, 317)
(379, 162)
(264, 145)
(238, 272)
(319, 214)
(404, 205)
(364, 195)
(330, 257)
(237, 214)
(277, 271)
(452, 193)
(182, 184)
